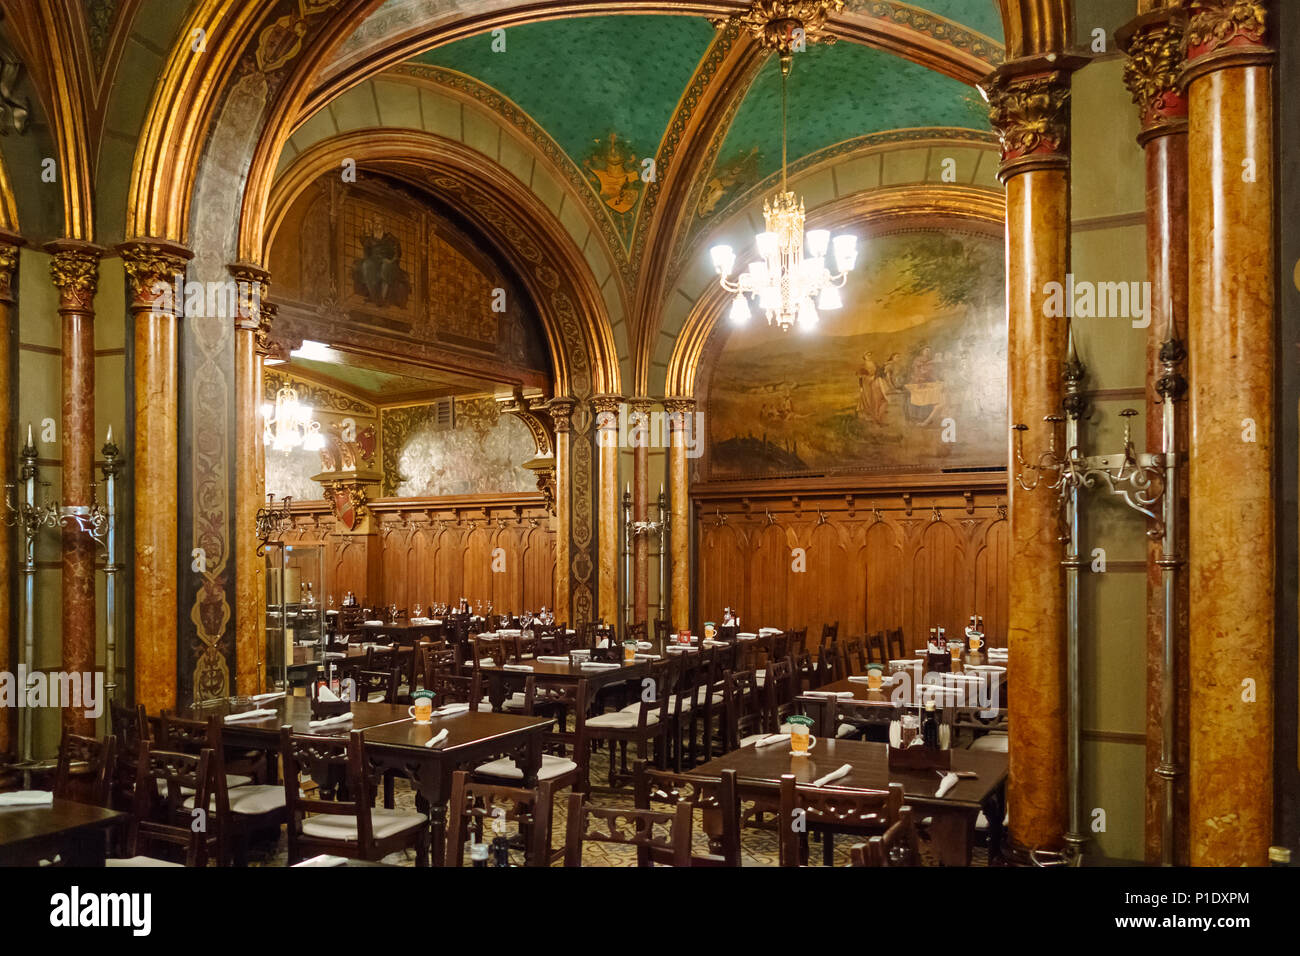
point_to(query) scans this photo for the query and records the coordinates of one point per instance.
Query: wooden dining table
(952, 816)
(405, 632)
(394, 741)
(501, 678)
(75, 832)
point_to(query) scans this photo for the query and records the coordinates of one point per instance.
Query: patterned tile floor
(758, 846)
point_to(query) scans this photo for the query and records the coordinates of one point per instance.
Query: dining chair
(717, 799)
(897, 846)
(648, 832)
(853, 656)
(353, 828)
(831, 810)
(744, 709)
(163, 780)
(474, 803)
(780, 690)
(239, 810)
(895, 644)
(830, 633)
(129, 727)
(95, 785)
(876, 649)
(645, 725)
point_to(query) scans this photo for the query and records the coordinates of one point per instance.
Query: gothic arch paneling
(883, 584)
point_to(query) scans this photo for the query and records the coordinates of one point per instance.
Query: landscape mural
(909, 376)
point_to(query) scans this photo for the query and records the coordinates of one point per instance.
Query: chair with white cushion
(162, 780)
(647, 724)
(352, 828)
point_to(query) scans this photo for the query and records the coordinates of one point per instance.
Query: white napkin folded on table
(947, 783)
(448, 710)
(374, 624)
(330, 721)
(437, 738)
(842, 771)
(552, 659)
(27, 798)
(764, 631)
(272, 695)
(647, 657)
(421, 620)
(249, 715)
(599, 666)
(335, 655)
(829, 694)
(770, 739)
(644, 645)
(746, 637)
(326, 695)
(517, 667)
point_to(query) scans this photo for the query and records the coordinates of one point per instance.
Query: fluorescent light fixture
(314, 351)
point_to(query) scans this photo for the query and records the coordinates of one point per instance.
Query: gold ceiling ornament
(785, 26)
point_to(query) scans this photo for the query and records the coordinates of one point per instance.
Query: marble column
(639, 427)
(266, 322)
(250, 598)
(561, 410)
(1153, 42)
(1029, 109)
(156, 273)
(74, 269)
(9, 245)
(607, 503)
(680, 412)
(1232, 343)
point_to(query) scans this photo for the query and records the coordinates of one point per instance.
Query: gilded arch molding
(579, 340)
(895, 205)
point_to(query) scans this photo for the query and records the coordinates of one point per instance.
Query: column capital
(1154, 44)
(266, 314)
(640, 404)
(9, 246)
(1029, 109)
(74, 268)
(676, 406)
(607, 407)
(152, 269)
(561, 409)
(1224, 33)
(252, 281)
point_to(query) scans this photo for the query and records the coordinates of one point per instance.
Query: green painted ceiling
(586, 77)
(841, 91)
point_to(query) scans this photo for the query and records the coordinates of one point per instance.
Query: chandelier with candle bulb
(288, 423)
(793, 278)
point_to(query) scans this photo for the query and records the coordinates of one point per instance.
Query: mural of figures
(481, 453)
(910, 376)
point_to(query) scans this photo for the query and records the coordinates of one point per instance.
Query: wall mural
(910, 376)
(475, 450)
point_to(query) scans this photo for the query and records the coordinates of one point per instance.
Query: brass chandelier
(288, 423)
(792, 278)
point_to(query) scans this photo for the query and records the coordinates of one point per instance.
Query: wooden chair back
(897, 846)
(744, 707)
(474, 804)
(164, 779)
(895, 644)
(652, 833)
(330, 761)
(718, 800)
(99, 756)
(832, 810)
(876, 649)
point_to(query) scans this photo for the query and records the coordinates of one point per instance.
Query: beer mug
(710, 630)
(629, 652)
(975, 642)
(801, 741)
(422, 709)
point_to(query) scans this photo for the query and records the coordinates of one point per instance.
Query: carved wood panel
(873, 560)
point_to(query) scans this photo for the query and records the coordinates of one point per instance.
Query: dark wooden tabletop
(295, 711)
(471, 728)
(762, 768)
(567, 671)
(20, 826)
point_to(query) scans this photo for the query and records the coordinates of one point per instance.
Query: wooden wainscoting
(438, 549)
(902, 553)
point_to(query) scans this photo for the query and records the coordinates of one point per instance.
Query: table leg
(951, 834)
(496, 691)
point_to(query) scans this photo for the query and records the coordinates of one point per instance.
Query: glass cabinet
(294, 633)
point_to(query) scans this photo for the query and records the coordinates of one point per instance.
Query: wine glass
(416, 613)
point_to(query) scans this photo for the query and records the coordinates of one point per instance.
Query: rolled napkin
(249, 715)
(864, 679)
(421, 620)
(771, 739)
(830, 694)
(710, 642)
(330, 721)
(647, 657)
(272, 695)
(373, 624)
(599, 666)
(842, 771)
(335, 655)
(746, 637)
(552, 659)
(437, 738)
(517, 667)
(643, 645)
(27, 798)
(947, 783)
(448, 710)
(764, 631)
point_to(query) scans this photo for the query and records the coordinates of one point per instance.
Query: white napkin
(250, 715)
(746, 637)
(273, 695)
(947, 783)
(447, 710)
(335, 655)
(843, 771)
(643, 645)
(599, 666)
(830, 694)
(552, 659)
(421, 620)
(764, 631)
(327, 695)
(374, 624)
(330, 721)
(27, 798)
(604, 642)
(517, 667)
(438, 738)
(647, 657)
(770, 739)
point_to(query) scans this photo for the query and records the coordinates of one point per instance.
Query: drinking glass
(801, 741)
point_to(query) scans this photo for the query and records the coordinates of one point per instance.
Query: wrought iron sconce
(271, 520)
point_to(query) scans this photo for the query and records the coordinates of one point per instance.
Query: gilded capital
(1031, 115)
(678, 408)
(1155, 61)
(607, 407)
(561, 409)
(154, 269)
(9, 246)
(74, 268)
(265, 320)
(1215, 25)
(252, 282)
